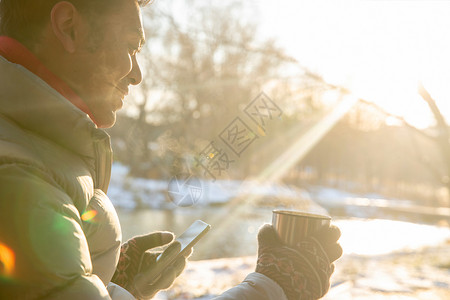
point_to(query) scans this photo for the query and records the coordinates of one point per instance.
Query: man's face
(105, 64)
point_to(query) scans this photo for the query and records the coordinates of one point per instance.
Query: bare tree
(441, 137)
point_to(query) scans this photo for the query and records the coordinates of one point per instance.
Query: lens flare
(261, 131)
(88, 216)
(7, 261)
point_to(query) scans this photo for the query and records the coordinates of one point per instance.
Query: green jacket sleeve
(42, 230)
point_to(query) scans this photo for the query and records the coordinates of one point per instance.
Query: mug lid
(300, 214)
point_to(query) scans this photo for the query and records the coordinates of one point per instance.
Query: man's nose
(135, 74)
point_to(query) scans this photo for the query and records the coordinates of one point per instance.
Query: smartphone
(191, 236)
(187, 239)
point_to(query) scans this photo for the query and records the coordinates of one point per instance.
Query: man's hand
(303, 272)
(135, 260)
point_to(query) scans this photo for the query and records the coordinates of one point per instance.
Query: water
(234, 233)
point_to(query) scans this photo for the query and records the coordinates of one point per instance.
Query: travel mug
(294, 226)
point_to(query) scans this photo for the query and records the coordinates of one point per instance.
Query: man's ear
(64, 20)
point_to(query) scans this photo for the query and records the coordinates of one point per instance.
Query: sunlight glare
(377, 49)
(378, 237)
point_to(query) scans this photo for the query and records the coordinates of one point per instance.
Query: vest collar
(17, 53)
(31, 103)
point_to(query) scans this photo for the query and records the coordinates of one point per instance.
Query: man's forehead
(137, 25)
(138, 31)
(130, 20)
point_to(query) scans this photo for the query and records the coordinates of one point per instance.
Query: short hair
(24, 20)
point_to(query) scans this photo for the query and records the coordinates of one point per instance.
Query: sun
(399, 99)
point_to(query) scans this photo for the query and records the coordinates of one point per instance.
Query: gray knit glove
(136, 259)
(303, 272)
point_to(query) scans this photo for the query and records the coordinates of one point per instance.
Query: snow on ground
(208, 278)
(393, 277)
(130, 193)
(127, 192)
(333, 198)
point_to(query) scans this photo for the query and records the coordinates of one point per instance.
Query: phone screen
(192, 235)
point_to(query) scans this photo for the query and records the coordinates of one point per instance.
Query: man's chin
(106, 121)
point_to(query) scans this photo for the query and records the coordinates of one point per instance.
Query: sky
(379, 49)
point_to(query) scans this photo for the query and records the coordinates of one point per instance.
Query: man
(65, 68)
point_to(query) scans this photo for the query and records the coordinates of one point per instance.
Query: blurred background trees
(204, 64)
